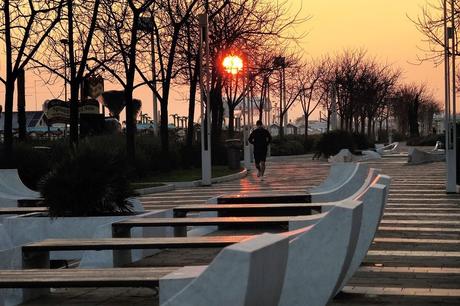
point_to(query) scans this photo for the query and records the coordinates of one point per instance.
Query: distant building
(35, 121)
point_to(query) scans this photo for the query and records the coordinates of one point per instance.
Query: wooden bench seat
(63, 278)
(264, 198)
(122, 228)
(36, 255)
(132, 243)
(21, 210)
(288, 209)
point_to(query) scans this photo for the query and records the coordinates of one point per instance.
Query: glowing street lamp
(232, 64)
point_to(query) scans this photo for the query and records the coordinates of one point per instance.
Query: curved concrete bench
(343, 181)
(320, 251)
(417, 156)
(388, 149)
(10, 183)
(356, 183)
(375, 198)
(319, 255)
(248, 273)
(339, 173)
(343, 156)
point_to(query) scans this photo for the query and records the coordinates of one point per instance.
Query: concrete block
(249, 273)
(417, 156)
(318, 257)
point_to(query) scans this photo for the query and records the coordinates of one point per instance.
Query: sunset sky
(379, 26)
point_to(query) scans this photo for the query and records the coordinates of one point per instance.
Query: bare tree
(24, 27)
(311, 94)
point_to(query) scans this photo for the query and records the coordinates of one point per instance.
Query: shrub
(397, 136)
(429, 140)
(32, 163)
(289, 145)
(361, 142)
(87, 182)
(332, 142)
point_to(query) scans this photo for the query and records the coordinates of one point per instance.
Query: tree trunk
(305, 115)
(231, 121)
(130, 120)
(8, 126)
(165, 97)
(73, 80)
(22, 105)
(191, 106)
(9, 86)
(369, 127)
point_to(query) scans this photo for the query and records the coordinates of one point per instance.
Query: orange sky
(380, 26)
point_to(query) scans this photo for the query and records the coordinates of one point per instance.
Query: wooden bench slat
(21, 210)
(62, 278)
(264, 198)
(132, 243)
(261, 206)
(250, 209)
(146, 222)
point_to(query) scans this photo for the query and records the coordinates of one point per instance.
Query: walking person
(260, 138)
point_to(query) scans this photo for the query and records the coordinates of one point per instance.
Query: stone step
(415, 244)
(421, 216)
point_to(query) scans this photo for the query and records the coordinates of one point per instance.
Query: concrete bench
(122, 229)
(417, 156)
(35, 282)
(321, 256)
(243, 283)
(375, 197)
(388, 149)
(343, 181)
(247, 273)
(258, 209)
(345, 156)
(36, 255)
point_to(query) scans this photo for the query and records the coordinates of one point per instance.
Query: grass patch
(184, 175)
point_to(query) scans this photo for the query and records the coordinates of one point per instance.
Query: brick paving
(414, 260)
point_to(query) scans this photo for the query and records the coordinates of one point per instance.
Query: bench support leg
(35, 260)
(180, 231)
(121, 257)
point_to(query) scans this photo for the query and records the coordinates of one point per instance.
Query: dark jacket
(260, 138)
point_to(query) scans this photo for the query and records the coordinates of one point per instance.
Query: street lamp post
(450, 93)
(205, 101)
(146, 23)
(233, 65)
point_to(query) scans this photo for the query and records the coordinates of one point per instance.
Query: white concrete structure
(319, 255)
(389, 149)
(374, 199)
(344, 180)
(368, 155)
(361, 178)
(417, 156)
(24, 229)
(11, 184)
(249, 273)
(345, 156)
(339, 173)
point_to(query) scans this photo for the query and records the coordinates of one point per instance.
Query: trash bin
(233, 153)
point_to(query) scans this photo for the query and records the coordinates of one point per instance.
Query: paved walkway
(415, 258)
